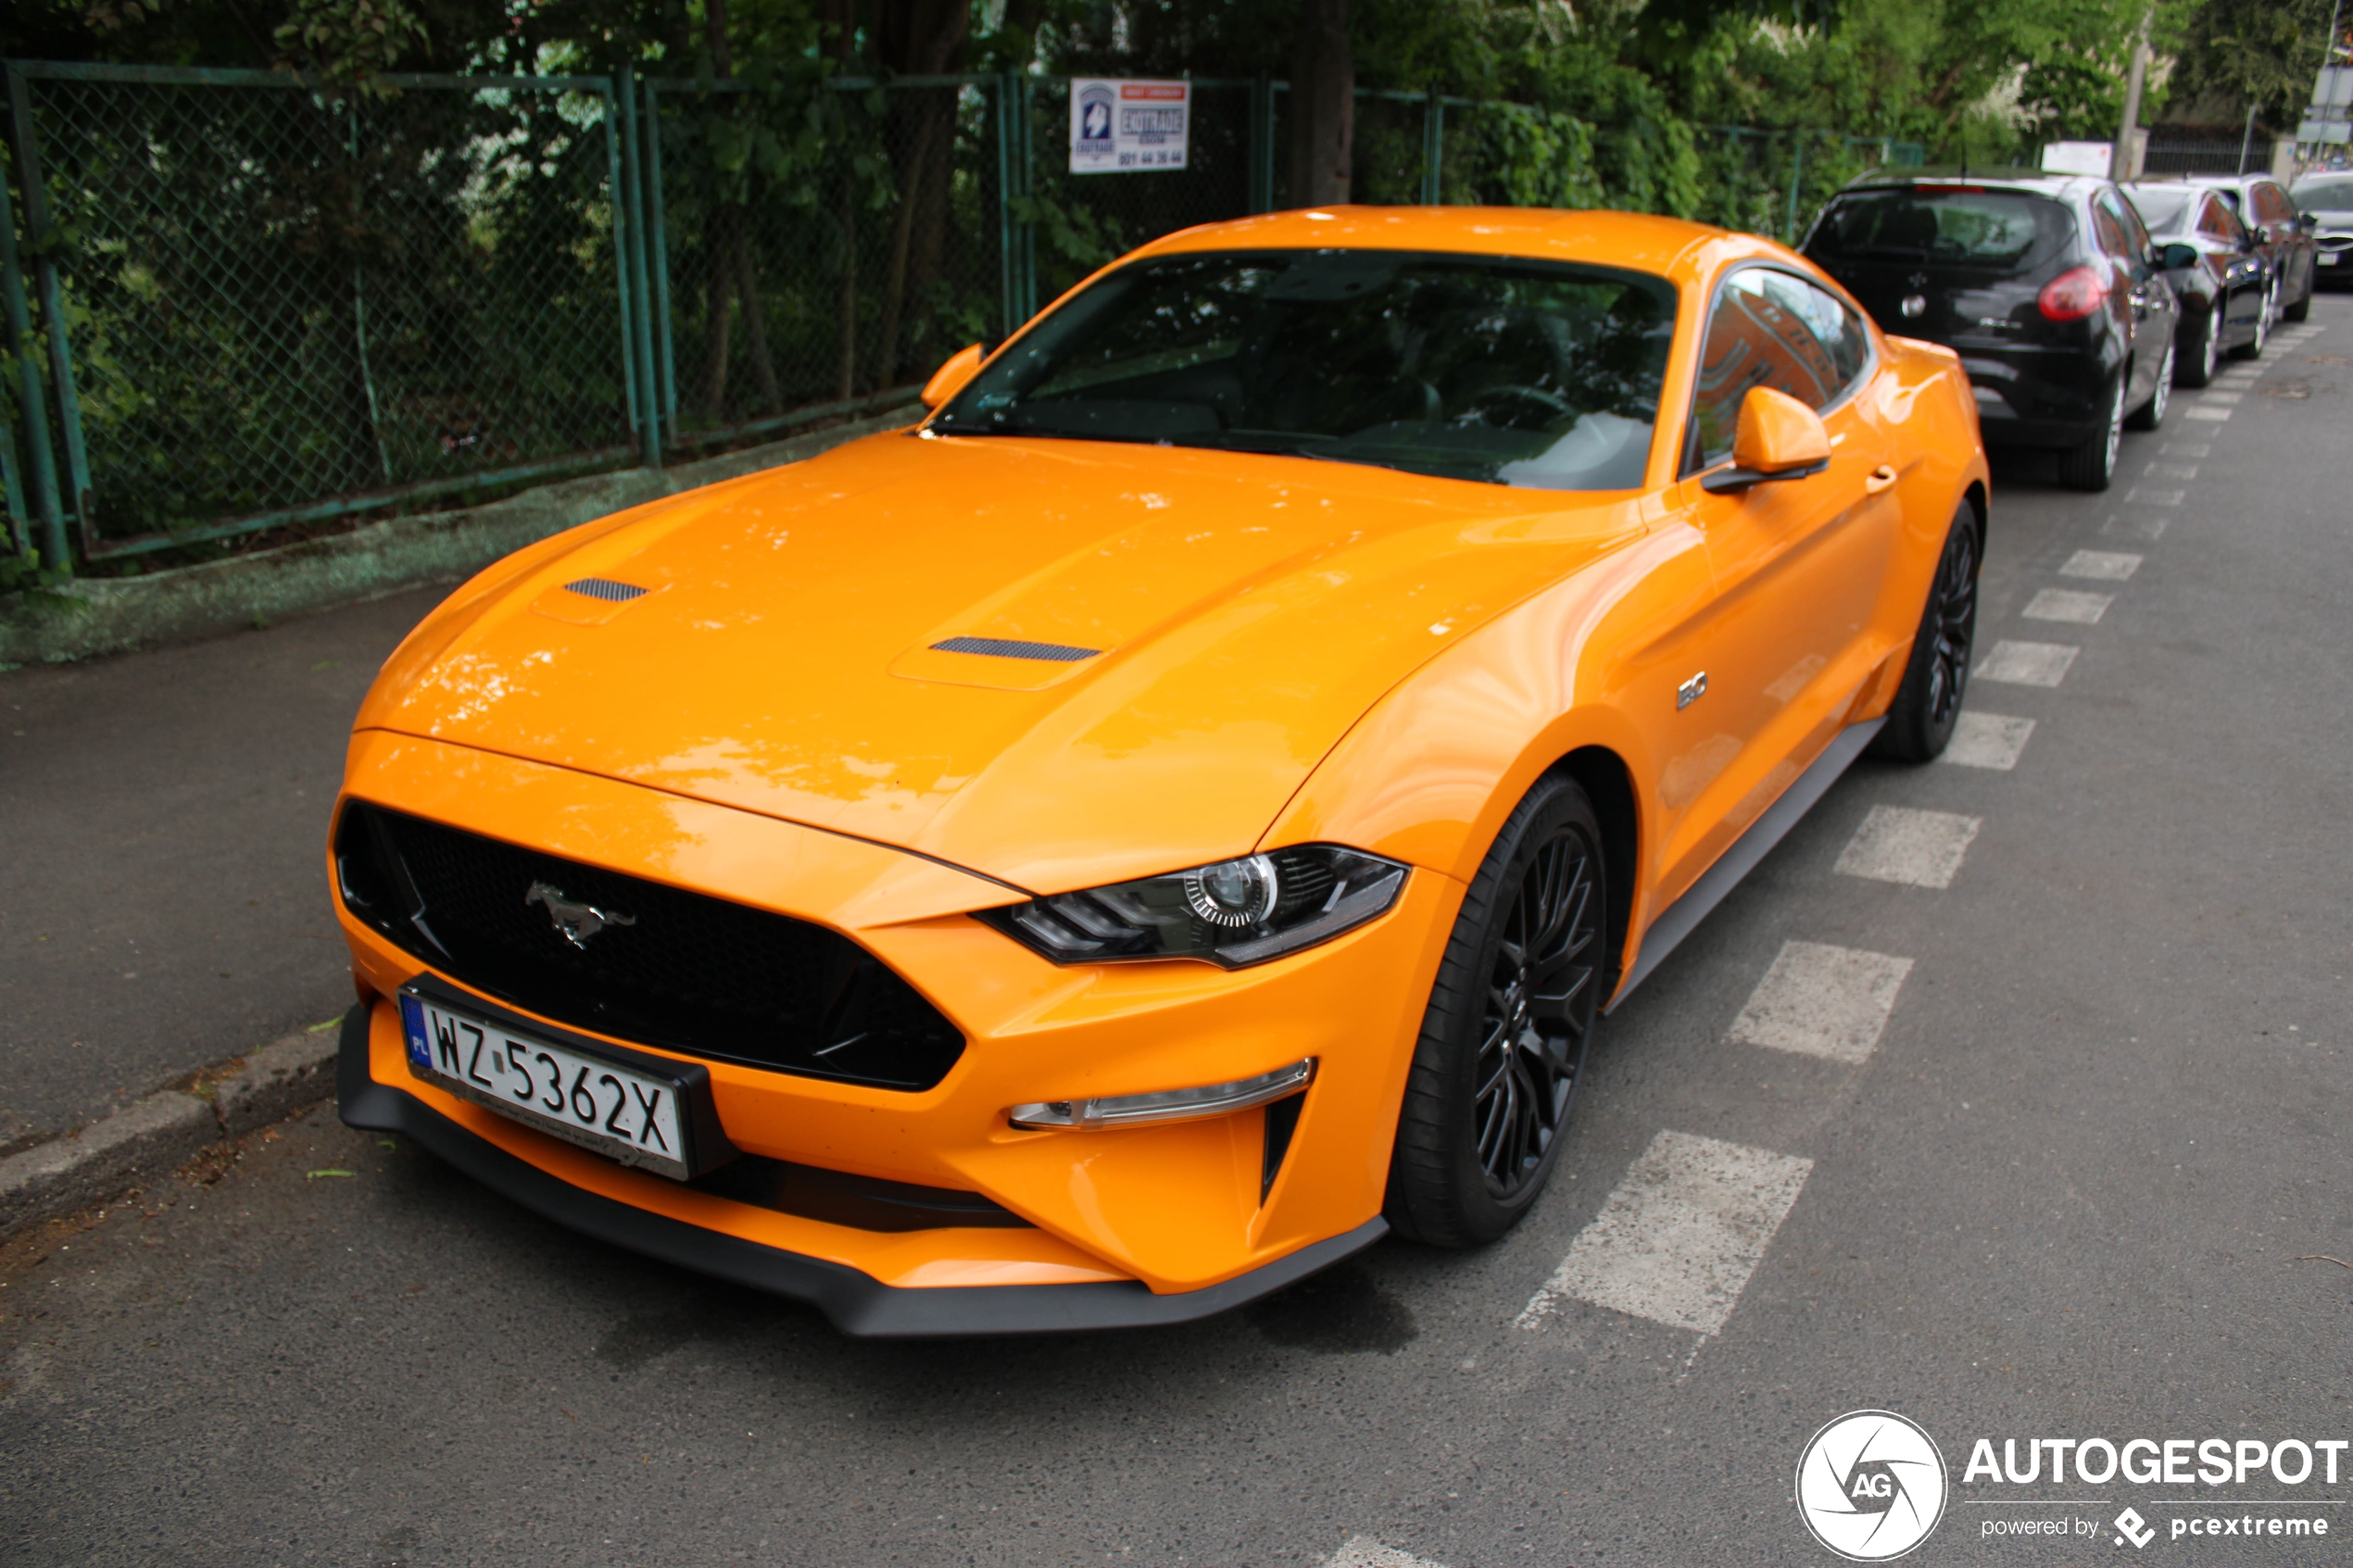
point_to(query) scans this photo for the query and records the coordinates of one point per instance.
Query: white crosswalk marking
(1679, 1236)
(2027, 664)
(2183, 472)
(1987, 740)
(1362, 1552)
(2186, 448)
(1917, 848)
(1820, 1000)
(2101, 565)
(2216, 415)
(2070, 605)
(2148, 497)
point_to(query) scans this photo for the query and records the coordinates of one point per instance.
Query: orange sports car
(1177, 813)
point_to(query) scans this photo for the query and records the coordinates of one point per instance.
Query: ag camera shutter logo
(1871, 1486)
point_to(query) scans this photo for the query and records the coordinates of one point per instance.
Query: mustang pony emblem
(577, 922)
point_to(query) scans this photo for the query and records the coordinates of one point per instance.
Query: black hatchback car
(2046, 284)
(2219, 273)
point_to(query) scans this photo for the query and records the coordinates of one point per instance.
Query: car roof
(2032, 181)
(1639, 242)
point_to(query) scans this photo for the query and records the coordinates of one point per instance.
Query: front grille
(644, 961)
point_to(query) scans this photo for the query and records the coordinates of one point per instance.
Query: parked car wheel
(1928, 705)
(1503, 1044)
(2092, 466)
(2151, 414)
(2252, 347)
(2197, 367)
(2303, 306)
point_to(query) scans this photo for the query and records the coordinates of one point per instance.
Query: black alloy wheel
(1928, 705)
(1505, 1042)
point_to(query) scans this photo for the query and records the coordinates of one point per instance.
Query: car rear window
(2326, 195)
(1974, 228)
(2164, 208)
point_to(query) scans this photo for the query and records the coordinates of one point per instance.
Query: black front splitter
(857, 1303)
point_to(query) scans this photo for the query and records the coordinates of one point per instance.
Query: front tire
(2093, 465)
(1928, 705)
(1505, 1041)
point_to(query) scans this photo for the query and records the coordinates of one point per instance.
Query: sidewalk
(163, 889)
(163, 880)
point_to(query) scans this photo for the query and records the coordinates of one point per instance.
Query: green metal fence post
(30, 398)
(1433, 147)
(1016, 180)
(36, 228)
(637, 342)
(359, 318)
(656, 230)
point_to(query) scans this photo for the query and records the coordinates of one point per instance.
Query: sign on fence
(1119, 126)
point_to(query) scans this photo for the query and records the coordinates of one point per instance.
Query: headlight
(1233, 914)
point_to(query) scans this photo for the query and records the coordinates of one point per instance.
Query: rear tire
(2303, 306)
(2252, 347)
(2205, 356)
(2151, 414)
(1920, 722)
(2093, 465)
(1504, 1043)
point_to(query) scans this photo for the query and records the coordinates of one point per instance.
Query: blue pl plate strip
(413, 1023)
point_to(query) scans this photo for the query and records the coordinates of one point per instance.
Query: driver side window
(1768, 329)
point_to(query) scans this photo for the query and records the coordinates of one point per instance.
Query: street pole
(2119, 161)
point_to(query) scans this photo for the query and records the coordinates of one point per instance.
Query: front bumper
(857, 1303)
(1207, 1212)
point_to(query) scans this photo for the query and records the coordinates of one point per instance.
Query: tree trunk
(755, 324)
(1323, 105)
(911, 187)
(718, 290)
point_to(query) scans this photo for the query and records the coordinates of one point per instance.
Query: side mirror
(1777, 438)
(2176, 257)
(950, 379)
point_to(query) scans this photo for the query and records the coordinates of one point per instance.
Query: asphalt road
(2081, 1173)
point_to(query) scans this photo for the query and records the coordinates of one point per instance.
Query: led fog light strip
(1167, 1105)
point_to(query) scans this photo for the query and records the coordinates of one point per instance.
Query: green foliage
(347, 43)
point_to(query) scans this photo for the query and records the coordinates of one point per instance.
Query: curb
(158, 1133)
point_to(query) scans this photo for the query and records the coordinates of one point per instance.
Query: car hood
(1245, 610)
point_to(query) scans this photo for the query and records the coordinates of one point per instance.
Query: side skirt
(1682, 917)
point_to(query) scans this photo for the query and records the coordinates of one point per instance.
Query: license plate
(2328, 258)
(630, 1106)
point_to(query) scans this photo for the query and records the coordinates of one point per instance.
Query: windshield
(1932, 223)
(2324, 196)
(1537, 374)
(2165, 209)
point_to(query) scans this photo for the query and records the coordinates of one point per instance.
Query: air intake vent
(661, 966)
(608, 590)
(1000, 647)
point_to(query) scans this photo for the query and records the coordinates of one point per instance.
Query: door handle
(1877, 480)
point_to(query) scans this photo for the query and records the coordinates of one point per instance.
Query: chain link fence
(237, 304)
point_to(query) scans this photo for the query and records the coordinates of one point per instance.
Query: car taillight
(2073, 294)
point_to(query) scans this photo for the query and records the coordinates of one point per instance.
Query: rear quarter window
(2007, 230)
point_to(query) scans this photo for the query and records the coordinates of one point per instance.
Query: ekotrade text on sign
(2170, 1462)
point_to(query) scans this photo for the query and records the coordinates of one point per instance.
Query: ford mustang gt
(1177, 812)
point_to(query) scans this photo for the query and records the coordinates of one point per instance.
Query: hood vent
(1001, 648)
(608, 590)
